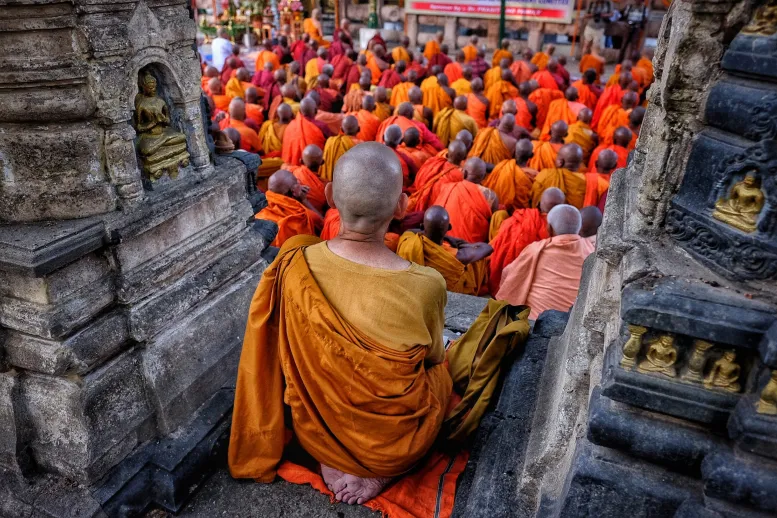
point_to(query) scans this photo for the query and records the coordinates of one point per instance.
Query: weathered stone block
(11, 434)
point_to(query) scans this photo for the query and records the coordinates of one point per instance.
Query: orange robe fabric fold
(292, 217)
(431, 49)
(470, 53)
(353, 100)
(525, 226)
(316, 195)
(436, 98)
(368, 125)
(300, 133)
(542, 97)
(263, 57)
(590, 61)
(335, 148)
(498, 93)
(585, 94)
(646, 65)
(523, 116)
(461, 86)
(331, 225)
(541, 60)
(511, 184)
(271, 137)
(383, 111)
(545, 80)
(491, 76)
(559, 110)
(400, 53)
(434, 174)
(453, 71)
(469, 212)
(249, 140)
(499, 55)
(312, 28)
(221, 102)
(489, 147)
(418, 155)
(448, 123)
(544, 155)
(611, 95)
(612, 118)
(581, 189)
(399, 94)
(478, 110)
(521, 71)
(234, 88)
(581, 134)
(254, 112)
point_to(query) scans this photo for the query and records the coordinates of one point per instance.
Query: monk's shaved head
(607, 161)
(629, 100)
(625, 80)
(474, 170)
(350, 125)
(279, 76)
(415, 95)
(504, 63)
(436, 70)
(412, 76)
(636, 117)
(365, 82)
(252, 94)
(315, 96)
(392, 136)
(553, 65)
(570, 157)
(412, 137)
(551, 197)
(457, 152)
(368, 103)
(466, 72)
(237, 109)
(589, 76)
(211, 72)
(507, 74)
(406, 110)
(524, 150)
(585, 115)
(312, 157)
(460, 103)
(507, 124)
(289, 91)
(323, 81)
(367, 188)
(437, 222)
(564, 219)
(558, 131)
(381, 95)
(591, 221)
(466, 137)
(509, 106)
(234, 136)
(308, 107)
(285, 113)
(282, 182)
(215, 86)
(243, 75)
(571, 94)
(622, 136)
(476, 85)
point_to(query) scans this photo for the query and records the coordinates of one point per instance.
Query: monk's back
(400, 309)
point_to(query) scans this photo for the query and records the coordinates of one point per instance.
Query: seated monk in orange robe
(315, 67)
(253, 108)
(471, 51)
(586, 94)
(606, 163)
(620, 142)
(337, 146)
(301, 132)
(545, 152)
(368, 122)
(383, 110)
(404, 119)
(400, 52)
(580, 189)
(432, 47)
(523, 227)
(615, 116)
(512, 179)
(288, 206)
(565, 109)
(449, 121)
(463, 85)
(503, 52)
(437, 96)
(611, 95)
(434, 174)
(645, 63)
(308, 175)
(592, 61)
(541, 59)
(392, 137)
(271, 141)
(547, 273)
(462, 264)
(495, 144)
(312, 26)
(399, 94)
(469, 204)
(478, 104)
(501, 91)
(522, 70)
(455, 70)
(636, 117)
(353, 99)
(421, 113)
(542, 97)
(210, 73)
(580, 133)
(545, 79)
(266, 55)
(249, 140)
(217, 94)
(411, 148)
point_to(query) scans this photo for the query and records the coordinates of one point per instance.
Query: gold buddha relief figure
(161, 148)
(767, 403)
(764, 22)
(661, 357)
(724, 373)
(743, 205)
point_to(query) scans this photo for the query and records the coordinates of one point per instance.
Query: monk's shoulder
(429, 284)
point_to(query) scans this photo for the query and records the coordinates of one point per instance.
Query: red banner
(561, 12)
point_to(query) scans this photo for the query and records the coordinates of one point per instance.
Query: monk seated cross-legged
(547, 273)
(368, 122)
(308, 175)
(289, 208)
(337, 146)
(411, 147)
(493, 145)
(237, 117)
(580, 189)
(580, 133)
(566, 109)
(436, 173)
(462, 264)
(545, 152)
(512, 179)
(302, 131)
(621, 139)
(449, 121)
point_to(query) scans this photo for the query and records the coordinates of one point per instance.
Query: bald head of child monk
(607, 161)
(328, 69)
(585, 115)
(564, 219)
(629, 100)
(252, 95)
(504, 64)
(323, 81)
(406, 110)
(558, 132)
(243, 75)
(412, 137)
(524, 151)
(437, 223)
(591, 221)
(392, 136)
(460, 103)
(237, 109)
(234, 136)
(466, 138)
(415, 95)
(400, 66)
(285, 113)
(350, 125)
(215, 86)
(457, 152)
(507, 75)
(551, 197)
(381, 95)
(476, 85)
(442, 79)
(570, 157)
(622, 136)
(571, 94)
(436, 70)
(368, 103)
(507, 124)
(474, 170)
(307, 107)
(525, 89)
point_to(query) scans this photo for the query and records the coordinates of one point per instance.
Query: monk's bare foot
(359, 490)
(333, 478)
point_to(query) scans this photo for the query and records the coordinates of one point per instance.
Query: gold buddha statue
(743, 205)
(162, 148)
(764, 22)
(724, 373)
(767, 403)
(661, 357)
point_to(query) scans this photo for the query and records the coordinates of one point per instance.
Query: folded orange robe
(292, 217)
(399, 94)
(498, 93)
(491, 76)
(541, 60)
(499, 55)
(461, 86)
(418, 113)
(418, 155)
(544, 155)
(646, 65)
(546, 275)
(312, 28)
(353, 100)
(470, 52)
(368, 125)
(221, 102)
(234, 88)
(469, 212)
(419, 249)
(622, 152)
(525, 226)
(265, 56)
(429, 82)
(581, 134)
(542, 97)
(249, 140)
(299, 134)
(545, 80)
(590, 61)
(478, 110)
(434, 174)
(316, 195)
(585, 94)
(612, 118)
(523, 116)
(559, 110)
(581, 189)
(333, 121)
(489, 147)
(254, 112)
(611, 95)
(449, 121)
(453, 71)
(436, 98)
(510, 183)
(431, 49)
(335, 148)
(383, 111)
(400, 53)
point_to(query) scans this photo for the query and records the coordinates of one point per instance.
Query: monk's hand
(219, 117)
(300, 192)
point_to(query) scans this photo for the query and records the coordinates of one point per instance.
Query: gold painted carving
(697, 361)
(661, 357)
(162, 148)
(724, 373)
(764, 22)
(767, 404)
(743, 205)
(632, 346)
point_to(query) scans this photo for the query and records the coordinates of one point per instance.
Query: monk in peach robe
(495, 144)
(503, 52)
(432, 47)
(471, 49)
(312, 27)
(462, 264)
(463, 85)
(566, 109)
(593, 61)
(411, 148)
(353, 99)
(337, 146)
(542, 97)
(302, 132)
(615, 116)
(455, 70)
(512, 179)
(580, 133)
(469, 204)
(400, 52)
(383, 110)
(399, 94)
(478, 104)
(368, 122)
(606, 163)
(545, 152)
(271, 141)
(434, 174)
(289, 208)
(307, 175)
(620, 145)
(523, 227)
(585, 92)
(449, 121)
(210, 73)
(437, 96)
(611, 95)
(249, 140)
(493, 75)
(541, 59)
(217, 94)
(254, 111)
(501, 91)
(580, 189)
(266, 55)
(547, 273)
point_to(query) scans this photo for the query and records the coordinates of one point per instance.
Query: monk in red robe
(468, 203)
(391, 77)
(545, 77)
(404, 119)
(392, 137)
(289, 208)
(302, 132)
(441, 59)
(587, 95)
(411, 147)
(272, 90)
(521, 69)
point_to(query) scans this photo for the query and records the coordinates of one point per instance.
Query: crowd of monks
(479, 144)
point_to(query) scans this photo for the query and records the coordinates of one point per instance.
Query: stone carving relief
(764, 125)
(764, 22)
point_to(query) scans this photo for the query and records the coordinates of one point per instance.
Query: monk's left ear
(330, 199)
(401, 209)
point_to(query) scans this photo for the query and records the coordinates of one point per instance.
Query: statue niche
(161, 148)
(742, 206)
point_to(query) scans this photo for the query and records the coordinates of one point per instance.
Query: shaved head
(289, 91)
(437, 222)
(476, 85)
(466, 137)
(211, 72)
(551, 197)
(381, 95)
(507, 124)
(367, 188)
(312, 157)
(368, 103)
(509, 106)
(564, 219)
(415, 95)
(524, 150)
(234, 136)
(284, 113)
(252, 94)
(585, 115)
(607, 161)
(412, 137)
(237, 109)
(622, 136)
(282, 182)
(474, 170)
(571, 94)
(392, 136)
(457, 152)
(558, 131)
(629, 100)
(570, 157)
(308, 107)
(636, 117)
(406, 110)
(591, 221)
(350, 125)
(242, 74)
(215, 86)
(460, 103)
